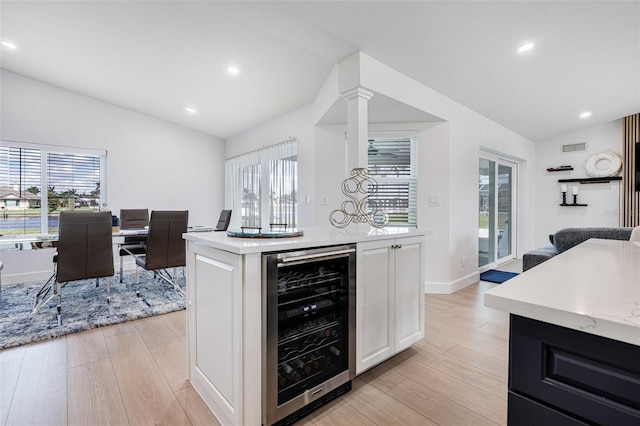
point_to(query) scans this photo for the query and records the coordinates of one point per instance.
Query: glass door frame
(500, 161)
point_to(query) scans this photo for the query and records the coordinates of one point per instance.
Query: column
(357, 126)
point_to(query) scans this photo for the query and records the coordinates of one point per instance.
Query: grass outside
(483, 221)
(17, 214)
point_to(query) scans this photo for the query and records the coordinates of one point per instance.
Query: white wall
(604, 199)
(150, 163)
(468, 132)
(448, 166)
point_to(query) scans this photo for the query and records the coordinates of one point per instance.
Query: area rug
(84, 306)
(496, 276)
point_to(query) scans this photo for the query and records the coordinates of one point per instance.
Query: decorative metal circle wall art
(359, 207)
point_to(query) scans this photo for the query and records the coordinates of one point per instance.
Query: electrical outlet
(434, 200)
(464, 261)
(325, 200)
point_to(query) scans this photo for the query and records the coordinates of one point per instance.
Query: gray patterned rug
(84, 306)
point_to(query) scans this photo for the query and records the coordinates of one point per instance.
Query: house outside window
(39, 181)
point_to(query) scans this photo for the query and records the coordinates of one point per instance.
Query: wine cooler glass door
(309, 305)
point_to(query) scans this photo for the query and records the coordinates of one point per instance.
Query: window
(56, 178)
(262, 186)
(393, 164)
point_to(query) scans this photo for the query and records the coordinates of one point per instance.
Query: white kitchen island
(575, 336)
(225, 307)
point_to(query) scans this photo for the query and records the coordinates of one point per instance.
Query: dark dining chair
(223, 220)
(85, 251)
(132, 245)
(165, 246)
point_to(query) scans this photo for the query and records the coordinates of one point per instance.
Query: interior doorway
(496, 211)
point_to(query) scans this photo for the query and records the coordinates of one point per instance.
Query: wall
(459, 148)
(604, 200)
(448, 166)
(150, 163)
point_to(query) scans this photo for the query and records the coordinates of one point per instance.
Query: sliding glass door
(496, 211)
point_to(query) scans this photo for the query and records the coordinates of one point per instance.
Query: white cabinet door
(409, 292)
(374, 304)
(389, 299)
(214, 296)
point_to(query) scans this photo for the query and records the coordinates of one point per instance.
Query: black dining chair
(165, 247)
(85, 250)
(132, 245)
(223, 220)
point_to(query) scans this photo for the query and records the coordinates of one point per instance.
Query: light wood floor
(134, 374)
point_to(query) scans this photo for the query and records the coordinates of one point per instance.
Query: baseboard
(25, 277)
(24, 266)
(451, 287)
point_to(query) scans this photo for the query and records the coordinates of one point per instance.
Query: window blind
(393, 164)
(19, 168)
(262, 186)
(31, 176)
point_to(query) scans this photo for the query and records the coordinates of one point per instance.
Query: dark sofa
(566, 238)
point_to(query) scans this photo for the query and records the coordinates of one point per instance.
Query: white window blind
(54, 177)
(262, 186)
(393, 164)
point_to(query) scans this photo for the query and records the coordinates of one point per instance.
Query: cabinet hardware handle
(316, 256)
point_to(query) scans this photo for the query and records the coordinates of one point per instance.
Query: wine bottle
(287, 368)
(327, 332)
(306, 364)
(334, 350)
(291, 374)
(314, 361)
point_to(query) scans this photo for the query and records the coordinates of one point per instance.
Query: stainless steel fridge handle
(316, 255)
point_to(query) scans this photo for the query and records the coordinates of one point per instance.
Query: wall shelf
(573, 205)
(592, 180)
(559, 169)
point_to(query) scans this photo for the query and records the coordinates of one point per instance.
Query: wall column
(357, 126)
(630, 195)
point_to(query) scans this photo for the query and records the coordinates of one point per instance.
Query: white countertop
(593, 287)
(313, 237)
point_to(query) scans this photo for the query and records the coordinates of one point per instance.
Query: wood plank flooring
(134, 374)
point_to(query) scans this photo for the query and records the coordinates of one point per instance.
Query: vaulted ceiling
(159, 57)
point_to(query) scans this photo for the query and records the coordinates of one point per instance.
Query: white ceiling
(157, 57)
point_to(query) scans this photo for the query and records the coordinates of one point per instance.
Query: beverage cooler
(309, 327)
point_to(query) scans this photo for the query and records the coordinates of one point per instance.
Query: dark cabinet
(562, 376)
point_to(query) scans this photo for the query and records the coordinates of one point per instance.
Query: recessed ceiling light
(232, 69)
(191, 110)
(525, 47)
(8, 45)
(585, 114)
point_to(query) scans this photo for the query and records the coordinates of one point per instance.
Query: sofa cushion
(566, 238)
(537, 256)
